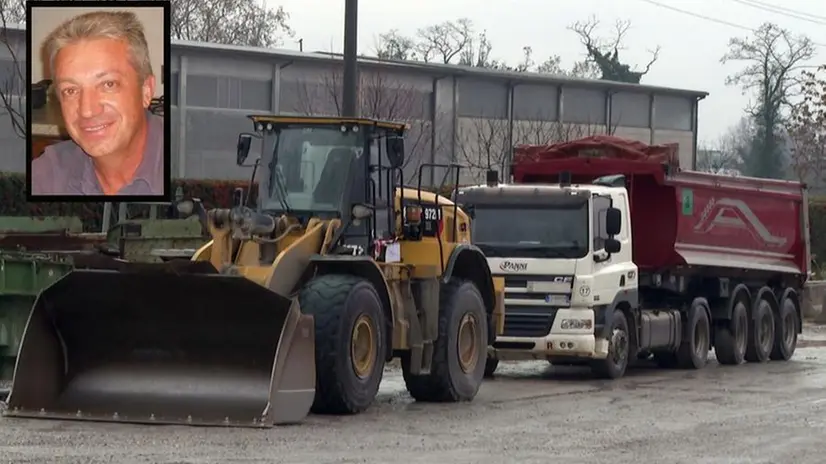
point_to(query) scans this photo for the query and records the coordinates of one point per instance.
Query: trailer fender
(627, 301)
(723, 309)
(469, 263)
(794, 296)
(366, 268)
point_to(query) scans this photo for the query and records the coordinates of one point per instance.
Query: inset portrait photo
(97, 124)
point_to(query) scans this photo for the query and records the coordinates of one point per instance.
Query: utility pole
(351, 73)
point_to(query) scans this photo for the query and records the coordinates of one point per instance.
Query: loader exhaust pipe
(148, 346)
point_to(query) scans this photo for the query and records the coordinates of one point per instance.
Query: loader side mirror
(244, 143)
(613, 222)
(360, 212)
(395, 150)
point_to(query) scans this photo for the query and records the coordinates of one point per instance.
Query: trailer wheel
(460, 352)
(761, 332)
(730, 337)
(619, 348)
(693, 351)
(350, 343)
(490, 367)
(786, 325)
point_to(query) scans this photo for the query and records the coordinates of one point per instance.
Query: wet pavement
(531, 413)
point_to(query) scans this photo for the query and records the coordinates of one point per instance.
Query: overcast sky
(689, 58)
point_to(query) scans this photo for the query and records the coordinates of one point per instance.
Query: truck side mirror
(612, 245)
(244, 143)
(613, 222)
(395, 150)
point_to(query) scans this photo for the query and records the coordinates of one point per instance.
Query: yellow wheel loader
(296, 303)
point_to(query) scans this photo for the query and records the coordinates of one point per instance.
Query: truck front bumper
(559, 343)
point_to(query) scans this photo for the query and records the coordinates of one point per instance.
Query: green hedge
(219, 193)
(13, 194)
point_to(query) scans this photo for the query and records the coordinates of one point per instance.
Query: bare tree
(12, 87)
(482, 144)
(537, 131)
(232, 22)
(726, 154)
(605, 52)
(806, 129)
(773, 58)
(381, 96)
(13, 11)
(445, 41)
(392, 45)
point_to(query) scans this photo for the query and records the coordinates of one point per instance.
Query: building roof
(421, 67)
(434, 68)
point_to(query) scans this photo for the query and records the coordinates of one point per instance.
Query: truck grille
(532, 315)
(528, 321)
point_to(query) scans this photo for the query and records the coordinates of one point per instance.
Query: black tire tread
(752, 350)
(685, 353)
(604, 368)
(437, 387)
(490, 367)
(324, 298)
(725, 342)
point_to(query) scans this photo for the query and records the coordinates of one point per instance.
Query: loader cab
(330, 168)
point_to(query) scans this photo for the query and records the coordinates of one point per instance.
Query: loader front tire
(460, 352)
(350, 342)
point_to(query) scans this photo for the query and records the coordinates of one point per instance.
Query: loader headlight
(185, 207)
(413, 214)
(361, 212)
(576, 324)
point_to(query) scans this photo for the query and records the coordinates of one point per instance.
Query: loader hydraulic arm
(230, 228)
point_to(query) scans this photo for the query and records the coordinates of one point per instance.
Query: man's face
(101, 96)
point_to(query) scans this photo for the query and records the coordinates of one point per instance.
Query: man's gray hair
(119, 25)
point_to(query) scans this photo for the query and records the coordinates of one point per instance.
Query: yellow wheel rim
(362, 348)
(468, 348)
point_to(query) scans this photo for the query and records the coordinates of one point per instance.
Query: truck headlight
(576, 324)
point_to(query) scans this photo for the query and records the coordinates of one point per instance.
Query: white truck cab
(565, 253)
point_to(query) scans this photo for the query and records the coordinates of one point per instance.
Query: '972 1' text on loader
(294, 305)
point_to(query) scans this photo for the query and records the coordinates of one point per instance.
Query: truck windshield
(309, 168)
(524, 232)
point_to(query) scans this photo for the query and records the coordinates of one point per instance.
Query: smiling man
(102, 77)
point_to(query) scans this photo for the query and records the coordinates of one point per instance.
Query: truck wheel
(490, 367)
(350, 342)
(730, 337)
(786, 325)
(460, 352)
(693, 351)
(761, 332)
(619, 347)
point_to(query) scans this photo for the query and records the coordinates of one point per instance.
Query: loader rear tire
(350, 342)
(490, 367)
(460, 352)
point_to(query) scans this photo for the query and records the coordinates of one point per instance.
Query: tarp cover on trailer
(601, 146)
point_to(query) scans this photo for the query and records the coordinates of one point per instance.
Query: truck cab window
(601, 205)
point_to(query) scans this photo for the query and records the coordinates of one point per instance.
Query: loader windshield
(310, 167)
(531, 232)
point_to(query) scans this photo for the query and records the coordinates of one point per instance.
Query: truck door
(608, 277)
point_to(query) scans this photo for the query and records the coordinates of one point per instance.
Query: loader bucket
(159, 347)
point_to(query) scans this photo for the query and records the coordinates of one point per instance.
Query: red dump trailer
(685, 218)
(709, 261)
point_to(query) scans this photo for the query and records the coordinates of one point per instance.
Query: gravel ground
(531, 413)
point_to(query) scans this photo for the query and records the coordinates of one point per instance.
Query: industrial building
(470, 116)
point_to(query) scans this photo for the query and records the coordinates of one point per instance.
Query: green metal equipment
(37, 251)
(22, 276)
